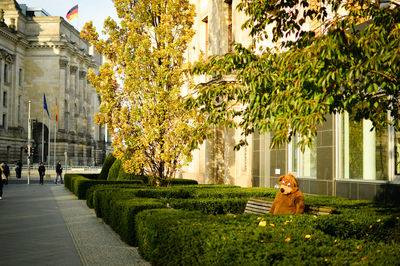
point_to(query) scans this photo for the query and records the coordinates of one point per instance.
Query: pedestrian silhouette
(18, 169)
(59, 172)
(42, 172)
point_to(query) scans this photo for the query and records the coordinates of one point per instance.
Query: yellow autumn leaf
(307, 236)
(287, 239)
(262, 223)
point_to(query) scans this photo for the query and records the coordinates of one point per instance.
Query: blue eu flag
(45, 104)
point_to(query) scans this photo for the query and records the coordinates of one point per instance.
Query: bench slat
(258, 206)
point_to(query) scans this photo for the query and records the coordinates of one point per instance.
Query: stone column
(63, 91)
(1, 90)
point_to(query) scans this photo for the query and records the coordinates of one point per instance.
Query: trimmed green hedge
(361, 232)
(210, 206)
(108, 162)
(116, 188)
(177, 237)
(118, 173)
(187, 192)
(119, 210)
(91, 176)
(182, 181)
(79, 185)
(114, 170)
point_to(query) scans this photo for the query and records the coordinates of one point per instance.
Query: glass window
(381, 157)
(21, 77)
(397, 153)
(19, 109)
(5, 99)
(365, 152)
(304, 163)
(5, 73)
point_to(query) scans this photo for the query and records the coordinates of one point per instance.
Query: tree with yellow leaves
(140, 85)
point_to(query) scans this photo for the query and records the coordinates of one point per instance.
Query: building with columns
(42, 54)
(347, 159)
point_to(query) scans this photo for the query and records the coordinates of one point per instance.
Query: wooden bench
(319, 210)
(260, 206)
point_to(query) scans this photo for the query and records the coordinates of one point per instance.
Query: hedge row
(119, 210)
(210, 206)
(108, 162)
(220, 192)
(363, 232)
(79, 185)
(177, 237)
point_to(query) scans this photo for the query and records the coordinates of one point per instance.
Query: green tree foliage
(350, 63)
(140, 85)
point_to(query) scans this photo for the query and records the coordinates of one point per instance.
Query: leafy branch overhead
(140, 85)
(349, 61)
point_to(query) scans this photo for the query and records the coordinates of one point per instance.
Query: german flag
(72, 13)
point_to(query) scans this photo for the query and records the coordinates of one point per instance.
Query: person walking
(59, 172)
(6, 172)
(42, 172)
(1, 181)
(18, 169)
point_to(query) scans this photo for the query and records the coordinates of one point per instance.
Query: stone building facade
(347, 159)
(42, 54)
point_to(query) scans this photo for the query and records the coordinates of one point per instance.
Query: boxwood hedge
(108, 162)
(79, 185)
(119, 210)
(361, 232)
(210, 206)
(178, 237)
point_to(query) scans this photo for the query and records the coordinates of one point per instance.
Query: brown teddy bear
(289, 200)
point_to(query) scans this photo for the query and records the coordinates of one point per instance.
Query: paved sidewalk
(47, 225)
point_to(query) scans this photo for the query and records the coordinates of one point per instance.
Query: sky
(88, 10)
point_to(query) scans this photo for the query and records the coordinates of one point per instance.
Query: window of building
(396, 152)
(230, 10)
(364, 152)
(4, 121)
(21, 77)
(205, 20)
(5, 99)
(19, 109)
(303, 164)
(6, 73)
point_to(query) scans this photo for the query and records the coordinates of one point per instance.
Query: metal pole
(42, 134)
(55, 141)
(29, 141)
(49, 153)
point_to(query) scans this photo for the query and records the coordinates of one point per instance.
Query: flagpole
(49, 153)
(43, 132)
(55, 134)
(55, 142)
